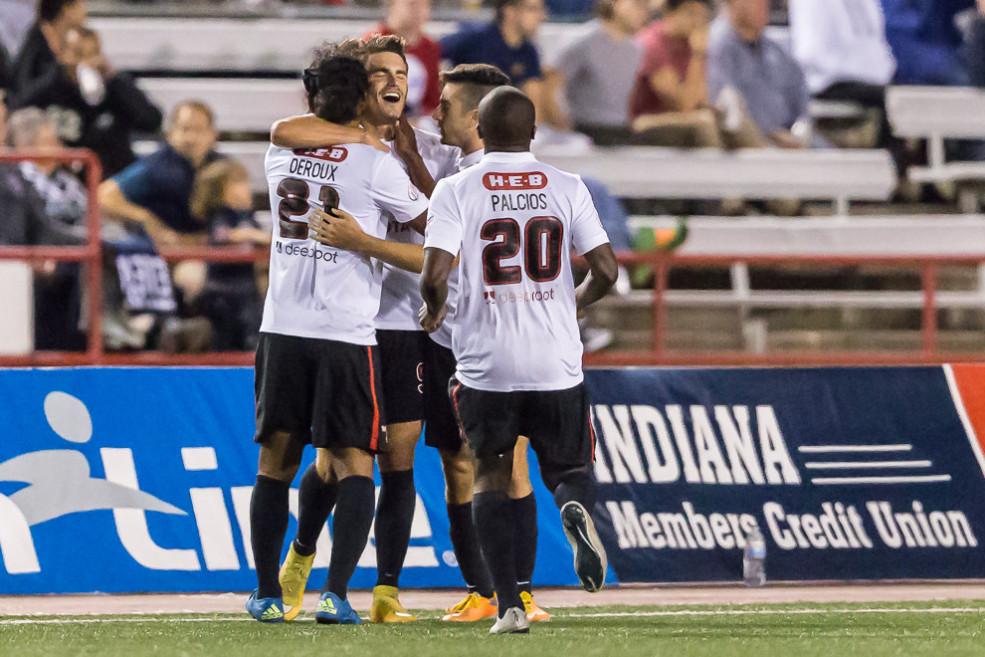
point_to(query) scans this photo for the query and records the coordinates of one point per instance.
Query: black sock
(465, 542)
(315, 502)
(268, 524)
(494, 524)
(578, 487)
(525, 516)
(350, 530)
(394, 516)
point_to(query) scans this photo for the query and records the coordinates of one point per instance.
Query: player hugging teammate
(325, 309)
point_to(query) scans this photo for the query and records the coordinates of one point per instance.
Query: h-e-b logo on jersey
(500, 182)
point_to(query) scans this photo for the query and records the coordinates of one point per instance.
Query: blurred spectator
(925, 40)
(507, 43)
(976, 47)
(22, 216)
(155, 191)
(841, 47)
(94, 106)
(64, 196)
(4, 66)
(18, 17)
(231, 299)
(749, 72)
(669, 105)
(57, 286)
(45, 40)
(599, 70)
(406, 19)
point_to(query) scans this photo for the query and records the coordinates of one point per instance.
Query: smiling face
(387, 87)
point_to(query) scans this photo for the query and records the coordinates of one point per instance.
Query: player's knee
(400, 447)
(493, 473)
(280, 457)
(351, 462)
(459, 476)
(554, 476)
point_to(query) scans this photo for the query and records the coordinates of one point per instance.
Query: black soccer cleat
(590, 558)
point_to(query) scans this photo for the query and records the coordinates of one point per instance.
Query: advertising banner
(139, 479)
(849, 473)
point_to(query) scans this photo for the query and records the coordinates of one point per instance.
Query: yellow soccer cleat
(473, 608)
(293, 579)
(386, 608)
(534, 612)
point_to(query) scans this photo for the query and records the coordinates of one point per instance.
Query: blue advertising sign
(850, 474)
(130, 480)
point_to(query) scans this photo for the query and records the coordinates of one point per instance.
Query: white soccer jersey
(443, 335)
(316, 291)
(514, 220)
(401, 298)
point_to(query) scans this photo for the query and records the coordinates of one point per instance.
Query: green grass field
(869, 630)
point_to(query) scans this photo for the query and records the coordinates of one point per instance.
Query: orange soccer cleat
(473, 608)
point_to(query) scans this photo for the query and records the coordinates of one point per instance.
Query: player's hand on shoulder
(429, 322)
(339, 230)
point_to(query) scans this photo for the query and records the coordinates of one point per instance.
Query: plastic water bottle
(754, 559)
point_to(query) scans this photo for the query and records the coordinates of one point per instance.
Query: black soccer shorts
(402, 355)
(557, 422)
(324, 392)
(440, 424)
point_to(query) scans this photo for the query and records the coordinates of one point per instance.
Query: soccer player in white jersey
(317, 364)
(457, 118)
(399, 334)
(513, 221)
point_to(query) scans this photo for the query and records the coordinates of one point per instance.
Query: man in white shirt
(841, 47)
(317, 365)
(512, 221)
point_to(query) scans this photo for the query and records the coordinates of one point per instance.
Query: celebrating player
(513, 221)
(457, 117)
(400, 337)
(317, 364)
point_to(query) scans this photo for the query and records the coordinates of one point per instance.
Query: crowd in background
(681, 73)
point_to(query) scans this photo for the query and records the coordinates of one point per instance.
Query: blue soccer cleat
(265, 610)
(334, 611)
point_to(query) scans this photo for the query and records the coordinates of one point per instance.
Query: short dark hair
(501, 6)
(196, 105)
(674, 5)
(335, 85)
(479, 79)
(50, 10)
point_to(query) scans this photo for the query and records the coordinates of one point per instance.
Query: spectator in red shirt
(669, 104)
(406, 19)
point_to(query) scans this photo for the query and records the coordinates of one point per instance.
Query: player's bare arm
(309, 131)
(601, 277)
(405, 143)
(341, 231)
(438, 264)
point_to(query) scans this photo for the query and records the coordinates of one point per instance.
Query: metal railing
(90, 255)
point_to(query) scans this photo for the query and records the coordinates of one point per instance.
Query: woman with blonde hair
(222, 200)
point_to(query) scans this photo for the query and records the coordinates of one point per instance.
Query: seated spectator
(64, 196)
(231, 300)
(155, 191)
(57, 286)
(925, 41)
(841, 47)
(669, 105)
(749, 73)
(45, 40)
(94, 106)
(406, 19)
(22, 216)
(507, 44)
(599, 70)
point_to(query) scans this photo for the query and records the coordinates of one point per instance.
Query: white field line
(625, 614)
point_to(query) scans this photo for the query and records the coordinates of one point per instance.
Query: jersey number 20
(293, 193)
(541, 244)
